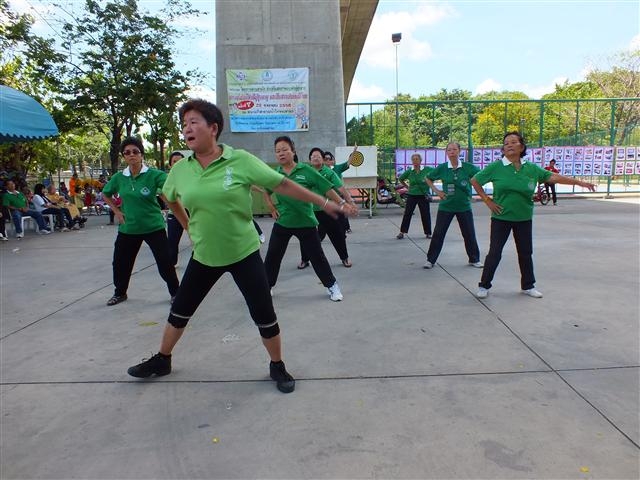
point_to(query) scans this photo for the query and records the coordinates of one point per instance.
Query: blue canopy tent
(22, 118)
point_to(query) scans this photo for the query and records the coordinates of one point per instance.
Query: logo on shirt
(145, 191)
(463, 183)
(228, 178)
(531, 185)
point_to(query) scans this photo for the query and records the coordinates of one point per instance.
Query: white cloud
(202, 91)
(366, 93)
(488, 85)
(537, 92)
(379, 50)
(634, 44)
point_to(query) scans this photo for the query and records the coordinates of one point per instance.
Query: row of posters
(570, 161)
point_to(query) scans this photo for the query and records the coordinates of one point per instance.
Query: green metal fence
(482, 123)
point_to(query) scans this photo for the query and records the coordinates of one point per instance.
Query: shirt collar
(127, 173)
(451, 166)
(506, 162)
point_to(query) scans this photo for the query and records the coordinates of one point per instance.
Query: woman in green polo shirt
(140, 219)
(455, 201)
(514, 182)
(327, 225)
(214, 184)
(418, 195)
(296, 218)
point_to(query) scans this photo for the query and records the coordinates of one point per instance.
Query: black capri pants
(250, 277)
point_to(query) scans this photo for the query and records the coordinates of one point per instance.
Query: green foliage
(124, 67)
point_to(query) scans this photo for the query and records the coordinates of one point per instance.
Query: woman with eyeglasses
(514, 181)
(140, 219)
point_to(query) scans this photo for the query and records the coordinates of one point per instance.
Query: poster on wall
(578, 153)
(620, 168)
(268, 99)
(597, 167)
(588, 154)
(537, 157)
(637, 167)
(606, 168)
(631, 153)
(477, 157)
(629, 168)
(620, 153)
(567, 169)
(548, 154)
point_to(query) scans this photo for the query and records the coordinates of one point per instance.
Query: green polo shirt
(455, 184)
(417, 184)
(295, 213)
(139, 204)
(513, 190)
(333, 178)
(15, 200)
(219, 202)
(341, 168)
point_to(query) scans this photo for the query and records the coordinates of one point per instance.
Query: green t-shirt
(417, 184)
(341, 168)
(295, 213)
(139, 203)
(513, 190)
(219, 202)
(455, 184)
(333, 178)
(15, 200)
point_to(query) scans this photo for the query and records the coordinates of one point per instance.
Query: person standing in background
(140, 220)
(418, 195)
(551, 168)
(455, 201)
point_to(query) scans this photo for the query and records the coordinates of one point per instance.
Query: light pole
(395, 38)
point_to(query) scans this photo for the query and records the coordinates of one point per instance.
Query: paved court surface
(410, 376)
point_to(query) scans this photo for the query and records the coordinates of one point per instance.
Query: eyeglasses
(131, 152)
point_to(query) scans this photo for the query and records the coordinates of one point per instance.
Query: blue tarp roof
(22, 118)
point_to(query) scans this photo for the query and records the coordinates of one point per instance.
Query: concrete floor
(410, 376)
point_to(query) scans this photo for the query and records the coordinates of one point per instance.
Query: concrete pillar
(285, 34)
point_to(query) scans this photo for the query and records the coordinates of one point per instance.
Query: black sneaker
(157, 365)
(284, 381)
(116, 299)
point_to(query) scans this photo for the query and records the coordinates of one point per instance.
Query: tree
(124, 65)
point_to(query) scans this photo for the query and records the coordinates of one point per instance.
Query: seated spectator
(43, 205)
(60, 201)
(19, 207)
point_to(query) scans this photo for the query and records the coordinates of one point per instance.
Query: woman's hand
(589, 186)
(275, 214)
(493, 206)
(119, 216)
(333, 209)
(441, 195)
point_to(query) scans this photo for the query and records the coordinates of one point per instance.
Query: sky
(479, 46)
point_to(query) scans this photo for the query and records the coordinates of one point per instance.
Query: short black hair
(135, 141)
(208, 110)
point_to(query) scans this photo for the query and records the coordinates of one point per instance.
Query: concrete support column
(285, 34)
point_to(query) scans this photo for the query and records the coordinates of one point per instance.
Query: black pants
(61, 214)
(425, 215)
(125, 252)
(334, 228)
(551, 186)
(465, 222)
(174, 234)
(522, 236)
(309, 240)
(5, 215)
(250, 277)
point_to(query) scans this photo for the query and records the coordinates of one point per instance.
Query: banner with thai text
(268, 99)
